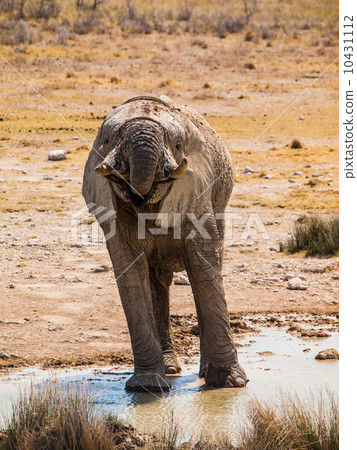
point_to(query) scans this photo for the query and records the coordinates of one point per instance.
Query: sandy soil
(54, 308)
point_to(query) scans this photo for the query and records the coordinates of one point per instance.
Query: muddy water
(282, 367)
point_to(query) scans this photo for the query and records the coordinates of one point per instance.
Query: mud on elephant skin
(152, 156)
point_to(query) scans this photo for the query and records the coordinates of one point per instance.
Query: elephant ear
(97, 191)
(192, 192)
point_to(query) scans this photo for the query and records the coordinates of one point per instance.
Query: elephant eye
(106, 140)
(178, 145)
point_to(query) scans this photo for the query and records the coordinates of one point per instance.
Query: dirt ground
(54, 307)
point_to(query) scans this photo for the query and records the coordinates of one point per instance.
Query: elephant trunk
(143, 153)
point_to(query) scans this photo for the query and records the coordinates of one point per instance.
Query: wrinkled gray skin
(151, 155)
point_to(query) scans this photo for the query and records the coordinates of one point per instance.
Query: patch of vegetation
(295, 144)
(60, 417)
(291, 424)
(316, 235)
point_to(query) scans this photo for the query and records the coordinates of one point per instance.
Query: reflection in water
(288, 369)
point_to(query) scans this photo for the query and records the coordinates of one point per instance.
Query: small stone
(11, 285)
(269, 176)
(273, 249)
(28, 219)
(102, 268)
(315, 175)
(294, 328)
(306, 350)
(314, 333)
(181, 280)
(301, 118)
(22, 171)
(4, 355)
(266, 353)
(335, 276)
(291, 180)
(268, 222)
(307, 166)
(296, 284)
(57, 155)
(248, 170)
(330, 353)
(298, 173)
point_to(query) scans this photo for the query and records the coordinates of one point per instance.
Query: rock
(237, 325)
(296, 284)
(22, 171)
(301, 118)
(294, 328)
(4, 355)
(57, 155)
(273, 249)
(102, 268)
(181, 280)
(291, 180)
(314, 269)
(195, 330)
(297, 173)
(288, 276)
(266, 353)
(249, 170)
(306, 350)
(307, 166)
(268, 222)
(11, 285)
(315, 175)
(314, 333)
(28, 219)
(335, 276)
(269, 176)
(330, 353)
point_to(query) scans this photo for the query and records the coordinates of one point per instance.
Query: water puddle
(274, 360)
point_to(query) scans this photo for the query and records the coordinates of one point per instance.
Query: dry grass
(316, 235)
(292, 425)
(60, 417)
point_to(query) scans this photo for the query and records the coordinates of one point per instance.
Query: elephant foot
(148, 382)
(223, 377)
(172, 365)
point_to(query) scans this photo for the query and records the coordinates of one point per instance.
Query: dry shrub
(61, 417)
(86, 25)
(316, 235)
(292, 424)
(295, 144)
(131, 21)
(42, 9)
(16, 32)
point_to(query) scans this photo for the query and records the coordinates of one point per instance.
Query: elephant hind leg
(160, 281)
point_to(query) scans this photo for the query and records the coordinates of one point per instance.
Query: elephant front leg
(132, 275)
(160, 281)
(219, 362)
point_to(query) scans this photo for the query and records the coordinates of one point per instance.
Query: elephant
(155, 159)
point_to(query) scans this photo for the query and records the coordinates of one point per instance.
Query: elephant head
(143, 162)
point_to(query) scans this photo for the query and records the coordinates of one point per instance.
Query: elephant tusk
(103, 169)
(180, 169)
